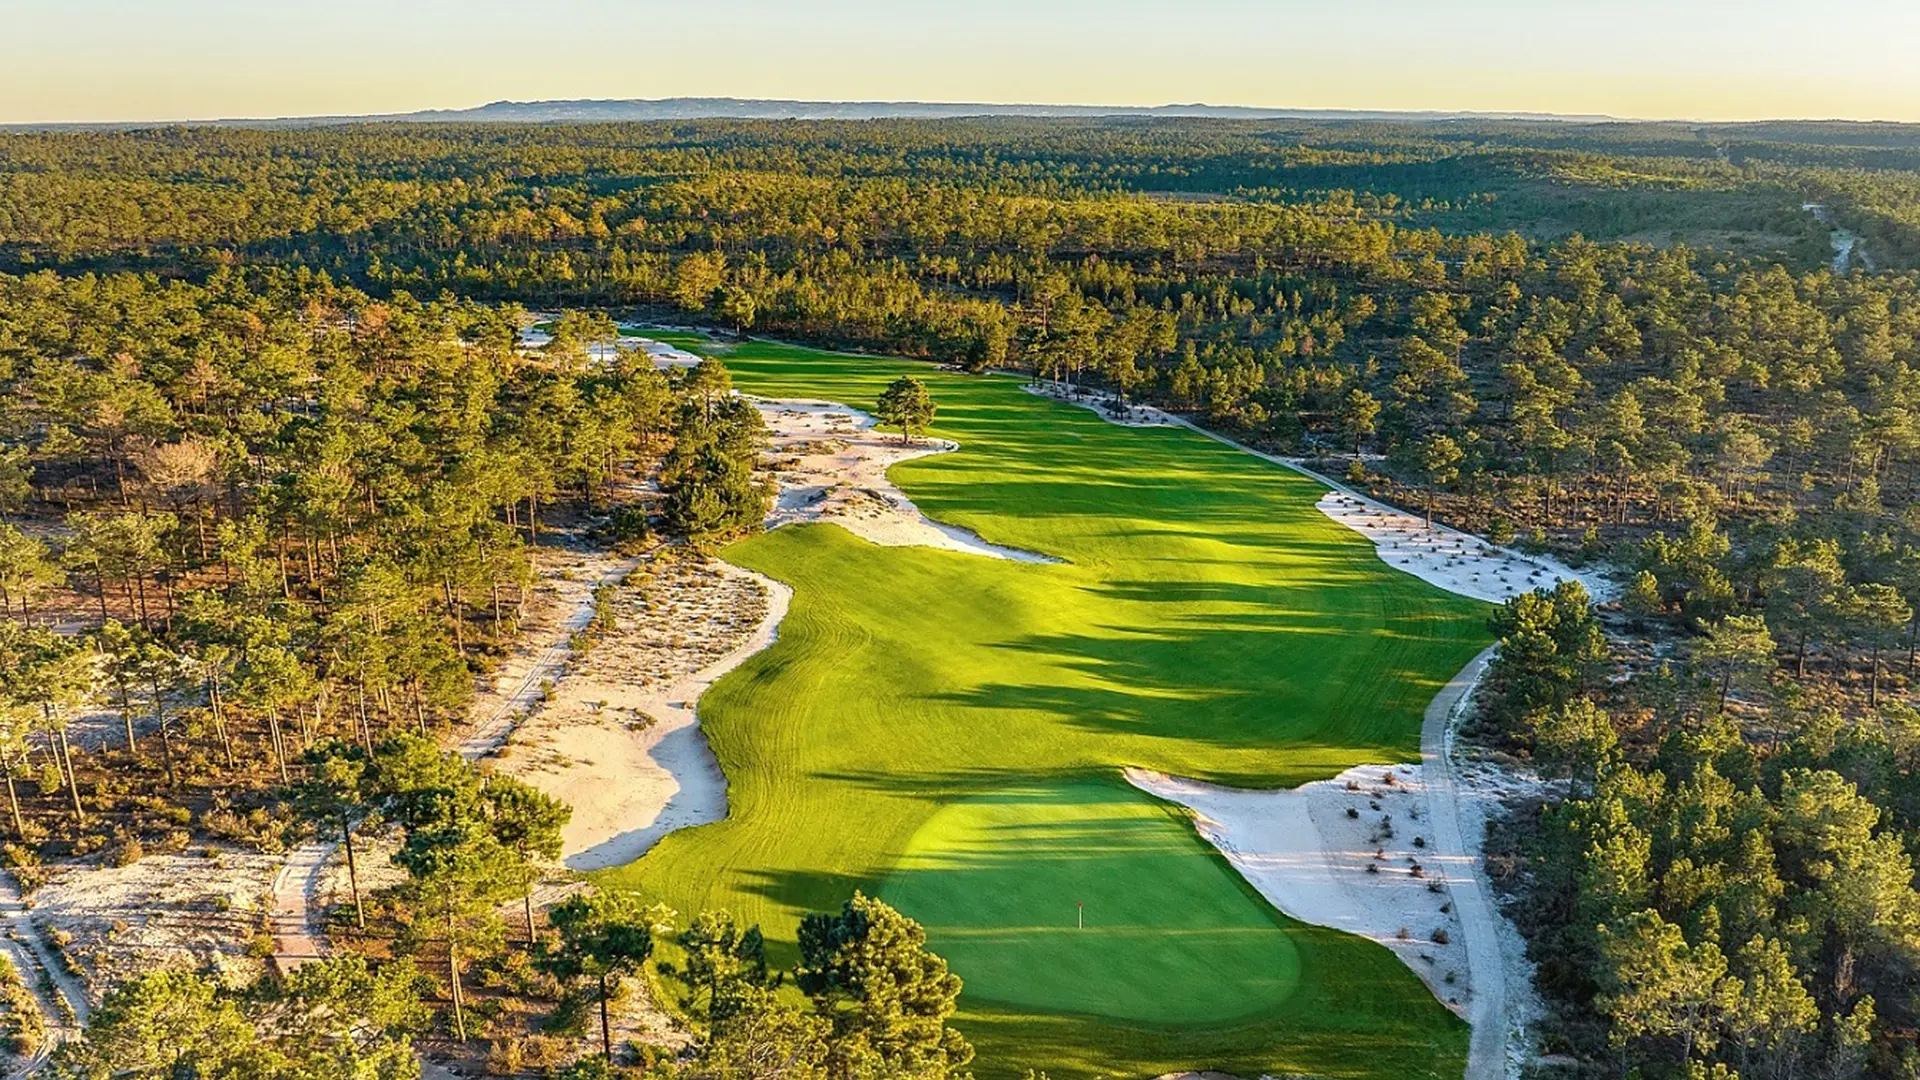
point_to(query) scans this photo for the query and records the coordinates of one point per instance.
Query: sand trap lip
(838, 474)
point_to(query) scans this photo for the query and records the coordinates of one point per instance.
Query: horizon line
(1078, 110)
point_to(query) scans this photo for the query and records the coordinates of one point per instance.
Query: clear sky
(78, 60)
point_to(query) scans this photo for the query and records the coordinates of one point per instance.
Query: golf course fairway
(947, 731)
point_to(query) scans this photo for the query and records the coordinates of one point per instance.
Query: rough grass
(946, 730)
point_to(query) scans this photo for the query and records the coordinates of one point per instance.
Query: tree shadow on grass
(1223, 681)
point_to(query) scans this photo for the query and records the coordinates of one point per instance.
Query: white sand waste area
(618, 740)
(1111, 408)
(1447, 558)
(1375, 873)
(663, 355)
(567, 574)
(832, 464)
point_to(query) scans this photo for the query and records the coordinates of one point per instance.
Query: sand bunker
(617, 739)
(832, 464)
(663, 355)
(1394, 854)
(1374, 872)
(1448, 558)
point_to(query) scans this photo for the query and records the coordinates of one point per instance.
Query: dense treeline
(285, 511)
(1729, 887)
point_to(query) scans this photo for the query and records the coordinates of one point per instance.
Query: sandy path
(39, 965)
(1495, 954)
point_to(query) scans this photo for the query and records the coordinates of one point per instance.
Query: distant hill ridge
(727, 108)
(597, 110)
(697, 108)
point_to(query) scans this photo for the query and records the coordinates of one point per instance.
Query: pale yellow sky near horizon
(137, 60)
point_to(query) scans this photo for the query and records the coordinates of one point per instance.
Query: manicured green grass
(999, 880)
(946, 730)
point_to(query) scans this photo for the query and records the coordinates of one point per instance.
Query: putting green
(1207, 621)
(998, 881)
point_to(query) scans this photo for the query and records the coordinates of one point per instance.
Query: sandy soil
(1110, 408)
(64, 1004)
(663, 355)
(1448, 558)
(568, 573)
(832, 464)
(200, 908)
(618, 739)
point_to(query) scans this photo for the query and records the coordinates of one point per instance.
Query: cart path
(1472, 894)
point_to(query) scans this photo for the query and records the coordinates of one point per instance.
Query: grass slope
(946, 729)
